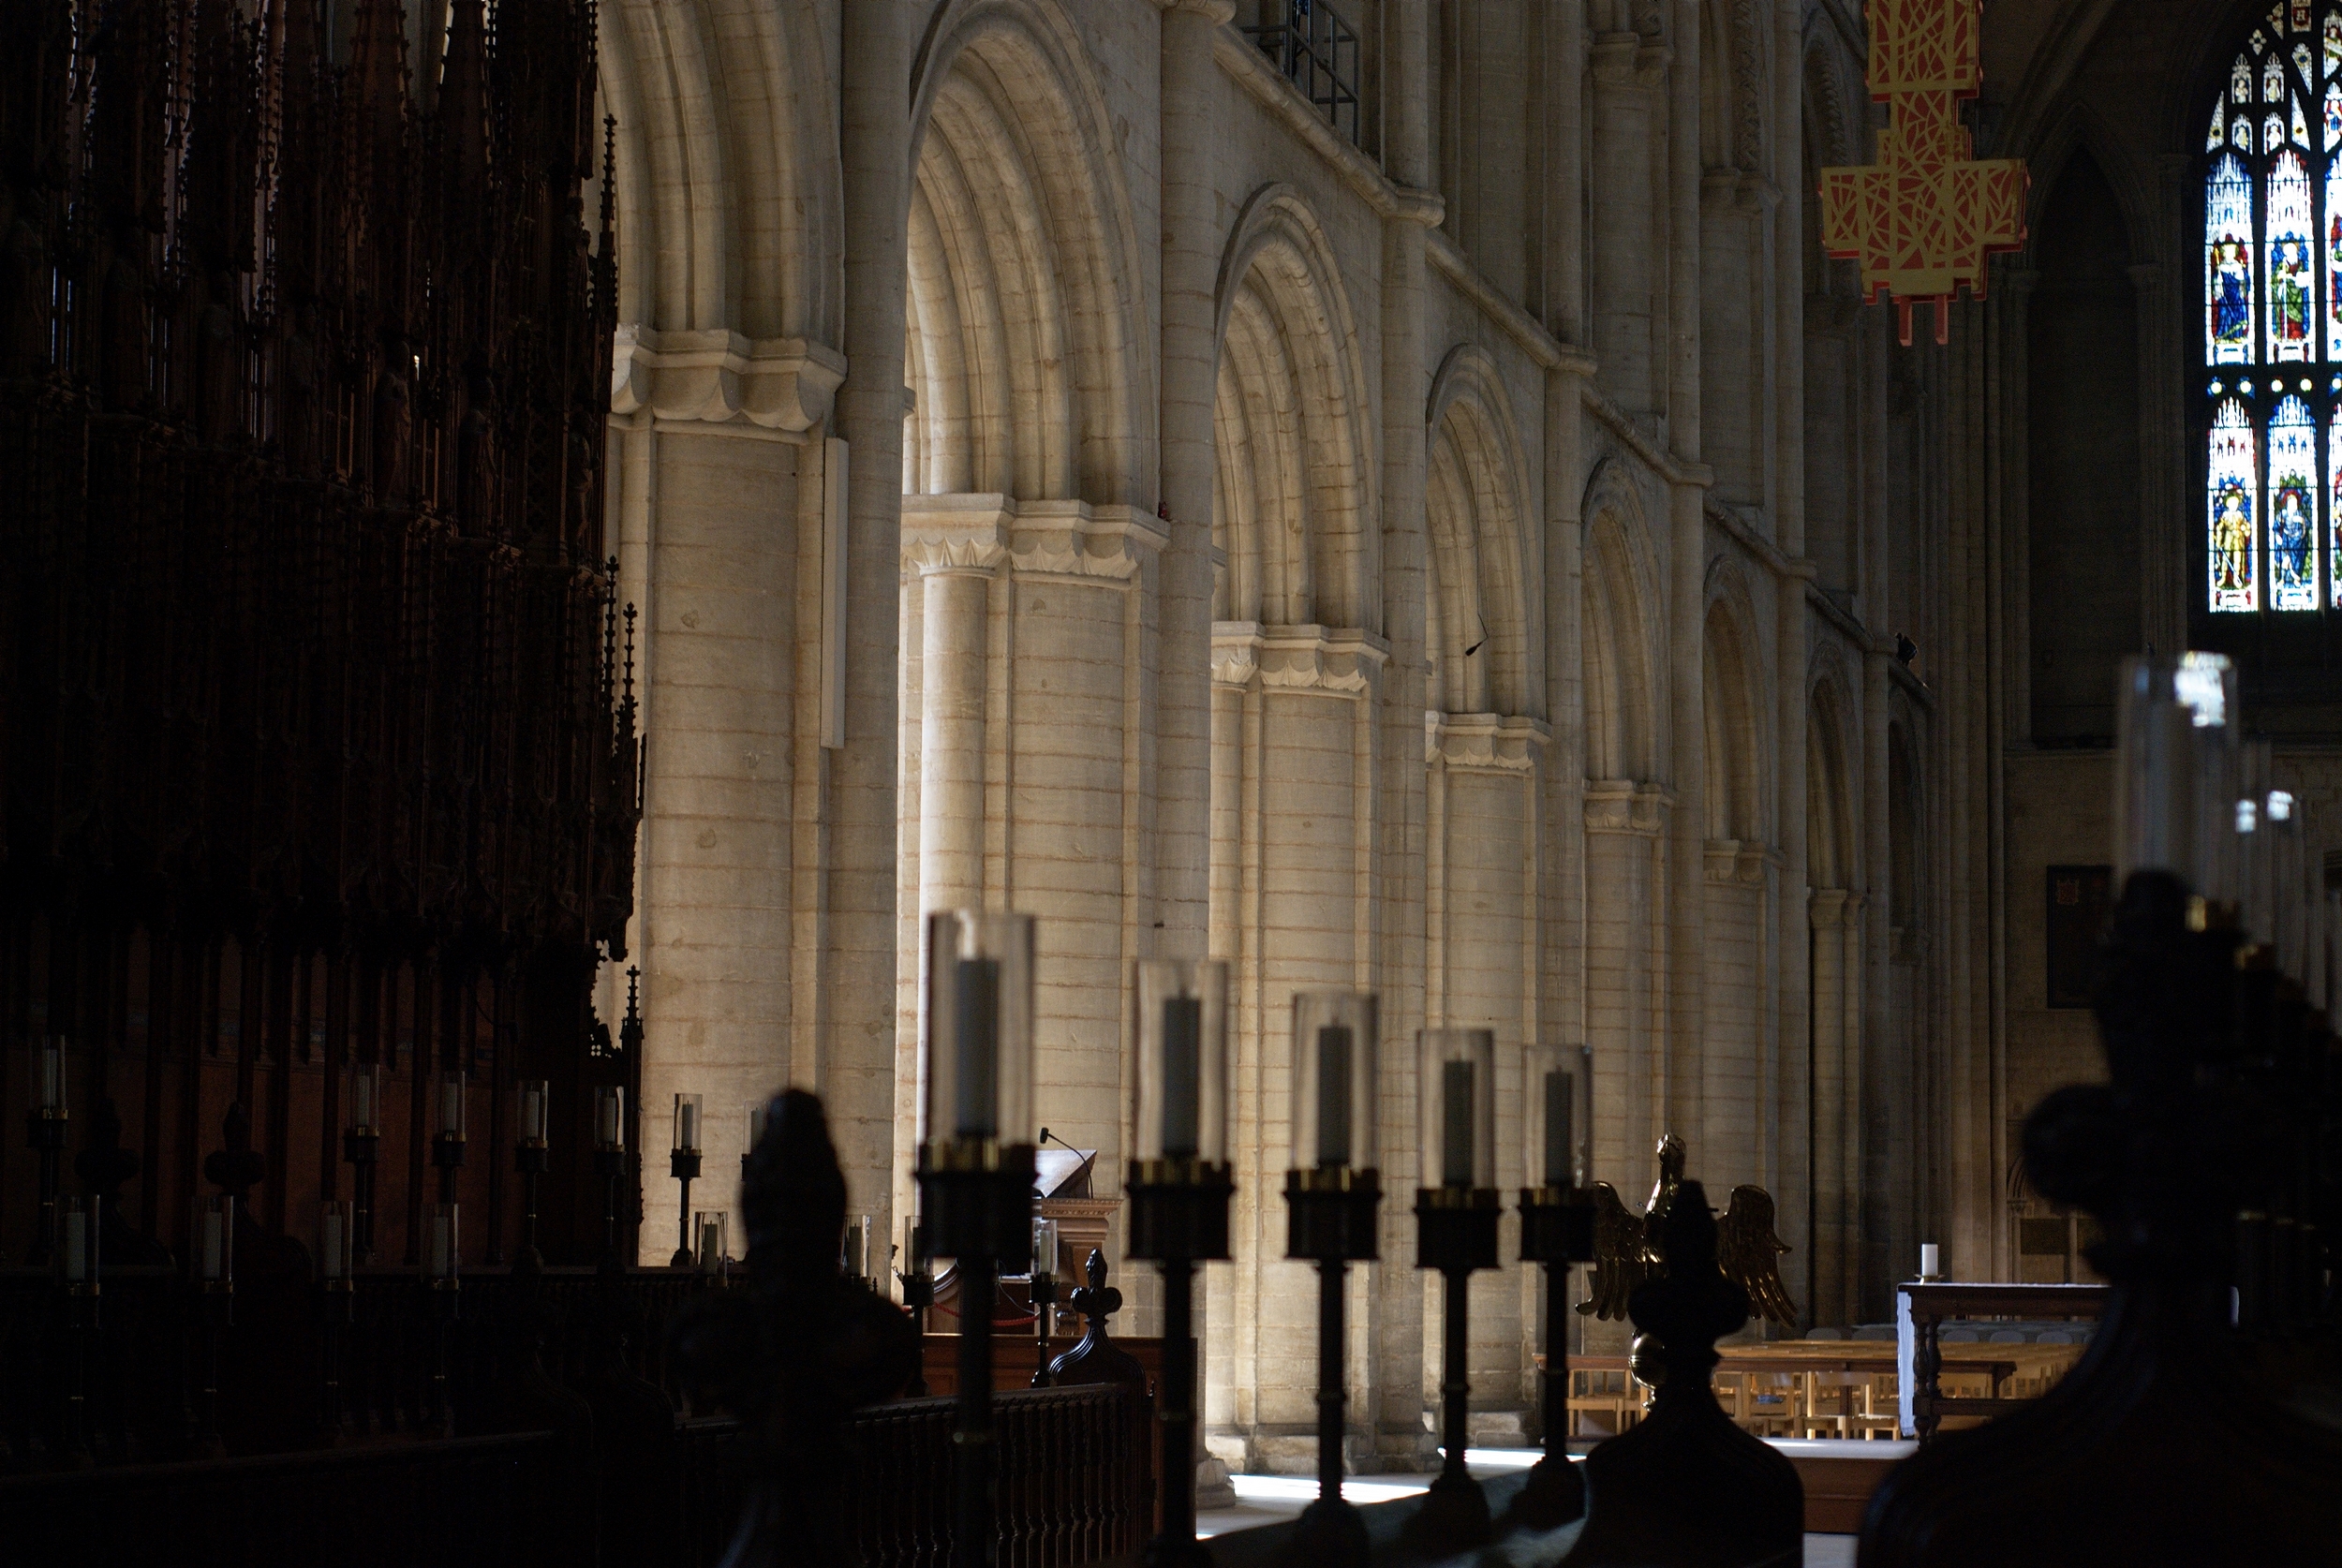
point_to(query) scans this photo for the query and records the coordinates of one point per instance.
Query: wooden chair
(1609, 1391)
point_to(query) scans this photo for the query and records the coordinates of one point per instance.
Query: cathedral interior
(555, 543)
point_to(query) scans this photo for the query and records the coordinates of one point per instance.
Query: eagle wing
(1619, 1260)
(1749, 1253)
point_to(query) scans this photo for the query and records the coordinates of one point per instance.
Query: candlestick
(975, 1162)
(442, 1273)
(336, 1236)
(683, 1163)
(1044, 1278)
(1456, 1233)
(1556, 1230)
(45, 1135)
(361, 1142)
(446, 1136)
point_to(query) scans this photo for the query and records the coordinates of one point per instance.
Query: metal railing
(1318, 52)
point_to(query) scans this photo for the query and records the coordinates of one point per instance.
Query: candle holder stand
(1455, 1234)
(446, 1297)
(73, 1451)
(216, 1313)
(918, 1295)
(1179, 1219)
(1044, 1309)
(531, 1157)
(336, 1311)
(610, 1164)
(1331, 1220)
(975, 1202)
(683, 1165)
(44, 1134)
(1556, 1230)
(360, 1144)
(447, 1155)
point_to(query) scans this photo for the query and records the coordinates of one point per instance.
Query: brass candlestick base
(1454, 1232)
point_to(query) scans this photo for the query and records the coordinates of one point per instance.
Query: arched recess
(1735, 713)
(729, 188)
(1294, 485)
(1482, 641)
(1829, 775)
(1835, 973)
(1026, 339)
(1620, 630)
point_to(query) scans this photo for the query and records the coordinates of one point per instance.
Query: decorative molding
(1830, 909)
(984, 532)
(1484, 742)
(717, 377)
(1624, 806)
(1243, 62)
(1296, 658)
(1548, 351)
(1737, 861)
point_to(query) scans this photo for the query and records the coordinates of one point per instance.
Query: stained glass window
(2271, 407)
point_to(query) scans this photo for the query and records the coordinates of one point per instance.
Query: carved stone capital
(1484, 742)
(1737, 862)
(1344, 663)
(1063, 539)
(716, 376)
(1624, 806)
(1829, 909)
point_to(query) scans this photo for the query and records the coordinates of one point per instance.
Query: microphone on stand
(1089, 1159)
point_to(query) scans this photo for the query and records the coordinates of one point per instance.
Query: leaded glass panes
(2272, 318)
(2233, 476)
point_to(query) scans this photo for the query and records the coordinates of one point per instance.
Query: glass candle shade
(336, 1236)
(687, 1124)
(1183, 1099)
(49, 1076)
(979, 1026)
(535, 1100)
(2155, 774)
(1458, 1121)
(78, 1258)
(212, 1239)
(365, 1097)
(1557, 1117)
(442, 1245)
(2206, 684)
(608, 1116)
(1334, 1035)
(2255, 844)
(2280, 822)
(447, 1120)
(1045, 1247)
(710, 1229)
(757, 1110)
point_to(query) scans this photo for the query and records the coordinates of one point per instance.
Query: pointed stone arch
(1738, 734)
(1483, 641)
(1832, 830)
(1295, 484)
(1031, 356)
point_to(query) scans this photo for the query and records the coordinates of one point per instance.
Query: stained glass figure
(2291, 288)
(2233, 482)
(2292, 507)
(2272, 404)
(2228, 228)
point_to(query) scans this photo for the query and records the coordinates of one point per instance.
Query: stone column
(715, 928)
(1788, 1168)
(952, 693)
(1687, 574)
(1389, 1303)
(1624, 278)
(1190, 261)
(1830, 1256)
(858, 1000)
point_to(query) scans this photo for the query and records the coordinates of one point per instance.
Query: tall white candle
(687, 1124)
(211, 1244)
(533, 1112)
(52, 1075)
(1929, 1259)
(606, 1107)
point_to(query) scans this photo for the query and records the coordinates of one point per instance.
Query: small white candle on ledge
(1928, 1262)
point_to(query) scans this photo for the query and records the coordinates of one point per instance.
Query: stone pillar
(858, 1000)
(953, 642)
(715, 583)
(1787, 1169)
(1388, 1308)
(1832, 1122)
(1624, 278)
(1687, 574)
(1190, 261)
(1625, 828)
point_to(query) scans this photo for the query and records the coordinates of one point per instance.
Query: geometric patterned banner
(1922, 218)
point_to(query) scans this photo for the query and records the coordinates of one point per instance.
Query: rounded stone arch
(729, 190)
(1735, 715)
(1623, 658)
(1481, 637)
(1025, 334)
(1832, 830)
(1295, 480)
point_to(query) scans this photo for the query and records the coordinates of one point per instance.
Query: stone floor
(1265, 1500)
